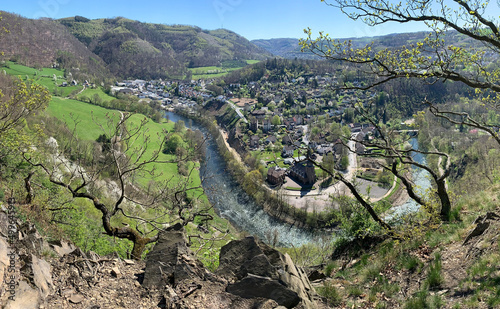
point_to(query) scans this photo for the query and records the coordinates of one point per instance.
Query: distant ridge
(132, 48)
(289, 48)
(120, 47)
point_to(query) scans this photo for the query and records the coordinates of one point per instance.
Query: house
(287, 151)
(259, 114)
(254, 124)
(338, 147)
(360, 136)
(126, 91)
(360, 148)
(271, 139)
(276, 175)
(286, 140)
(324, 149)
(266, 126)
(254, 141)
(303, 172)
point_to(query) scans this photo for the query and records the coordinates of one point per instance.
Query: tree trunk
(138, 249)
(367, 206)
(445, 200)
(29, 188)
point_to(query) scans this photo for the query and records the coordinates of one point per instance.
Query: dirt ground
(241, 102)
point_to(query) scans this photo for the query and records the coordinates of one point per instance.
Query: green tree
(18, 101)
(343, 163)
(252, 182)
(432, 59)
(329, 162)
(179, 126)
(173, 143)
(276, 120)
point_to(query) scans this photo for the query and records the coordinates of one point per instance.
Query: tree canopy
(433, 59)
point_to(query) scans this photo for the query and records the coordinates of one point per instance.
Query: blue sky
(254, 19)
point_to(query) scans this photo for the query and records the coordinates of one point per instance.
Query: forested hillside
(131, 48)
(121, 47)
(289, 48)
(45, 43)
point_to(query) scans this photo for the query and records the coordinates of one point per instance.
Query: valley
(298, 173)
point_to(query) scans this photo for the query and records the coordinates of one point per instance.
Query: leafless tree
(126, 156)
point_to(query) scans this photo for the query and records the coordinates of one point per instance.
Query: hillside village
(279, 118)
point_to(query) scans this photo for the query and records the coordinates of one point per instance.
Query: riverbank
(302, 209)
(261, 215)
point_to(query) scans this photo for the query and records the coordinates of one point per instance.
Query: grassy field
(88, 117)
(43, 77)
(213, 71)
(90, 93)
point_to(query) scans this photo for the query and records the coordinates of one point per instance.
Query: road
(237, 110)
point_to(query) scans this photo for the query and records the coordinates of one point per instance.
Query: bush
(418, 301)
(329, 268)
(434, 276)
(329, 291)
(410, 262)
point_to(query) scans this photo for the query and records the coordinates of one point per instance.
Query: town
(274, 124)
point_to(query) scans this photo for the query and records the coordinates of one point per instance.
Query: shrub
(410, 262)
(329, 291)
(329, 268)
(418, 301)
(434, 276)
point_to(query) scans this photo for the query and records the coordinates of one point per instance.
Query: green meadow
(43, 77)
(216, 71)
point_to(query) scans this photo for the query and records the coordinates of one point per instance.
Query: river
(232, 203)
(422, 181)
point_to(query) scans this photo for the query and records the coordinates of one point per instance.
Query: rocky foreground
(38, 274)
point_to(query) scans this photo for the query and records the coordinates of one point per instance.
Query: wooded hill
(133, 48)
(45, 43)
(289, 47)
(124, 47)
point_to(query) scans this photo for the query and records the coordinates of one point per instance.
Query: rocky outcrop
(57, 275)
(251, 275)
(171, 261)
(26, 279)
(264, 272)
(256, 286)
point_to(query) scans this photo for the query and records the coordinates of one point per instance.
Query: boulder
(241, 257)
(42, 276)
(26, 298)
(247, 261)
(4, 259)
(62, 247)
(171, 261)
(256, 286)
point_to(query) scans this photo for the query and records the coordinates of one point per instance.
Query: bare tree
(125, 157)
